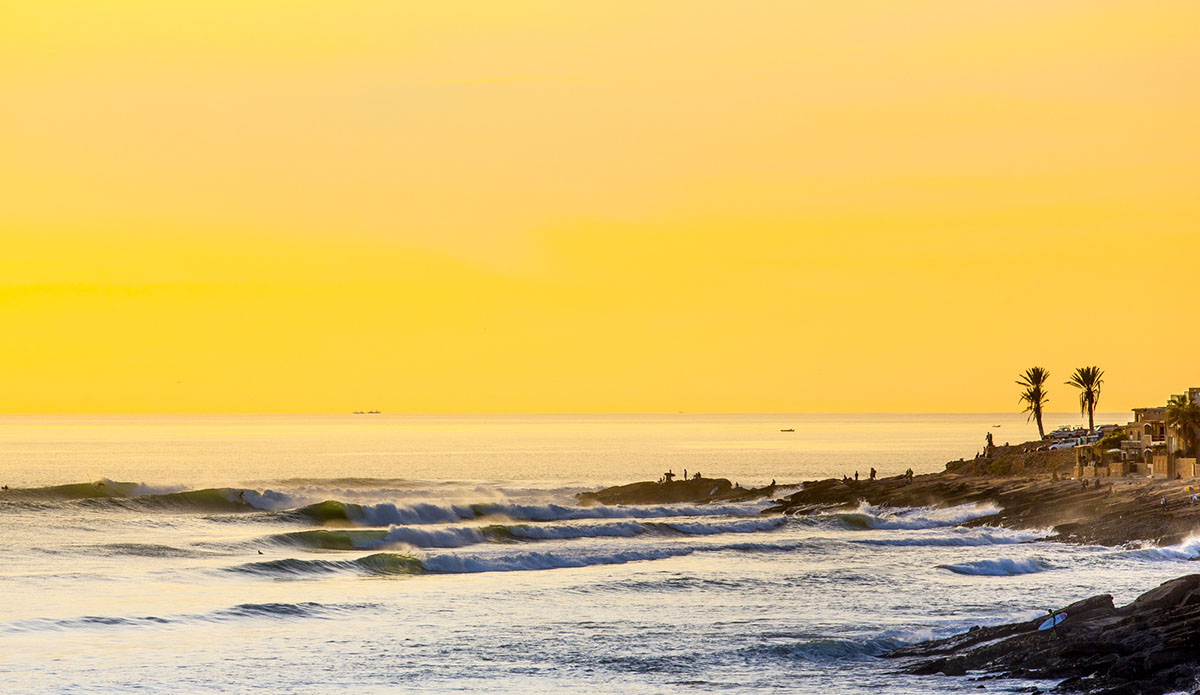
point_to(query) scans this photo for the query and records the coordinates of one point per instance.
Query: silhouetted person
(856, 476)
(872, 474)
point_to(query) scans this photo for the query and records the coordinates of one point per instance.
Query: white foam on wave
(532, 560)
(961, 537)
(1000, 567)
(142, 489)
(267, 500)
(421, 536)
(914, 518)
(421, 513)
(703, 528)
(1188, 549)
(455, 537)
(444, 492)
(428, 513)
(619, 529)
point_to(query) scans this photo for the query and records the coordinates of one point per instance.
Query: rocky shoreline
(1117, 512)
(1150, 646)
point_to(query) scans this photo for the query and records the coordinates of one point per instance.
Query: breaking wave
(975, 537)
(867, 516)
(1002, 567)
(102, 488)
(141, 496)
(396, 564)
(428, 513)
(1188, 549)
(459, 536)
(379, 564)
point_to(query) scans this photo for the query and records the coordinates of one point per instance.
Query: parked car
(1064, 444)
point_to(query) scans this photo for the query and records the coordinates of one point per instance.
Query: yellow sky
(868, 205)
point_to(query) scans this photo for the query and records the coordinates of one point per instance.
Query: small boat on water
(788, 430)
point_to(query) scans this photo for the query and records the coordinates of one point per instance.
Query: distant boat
(995, 425)
(788, 430)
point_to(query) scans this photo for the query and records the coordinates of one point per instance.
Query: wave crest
(333, 511)
(1001, 567)
(867, 516)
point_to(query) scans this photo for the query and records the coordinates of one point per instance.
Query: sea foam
(1001, 567)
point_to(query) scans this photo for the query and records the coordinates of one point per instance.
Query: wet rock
(1150, 647)
(694, 491)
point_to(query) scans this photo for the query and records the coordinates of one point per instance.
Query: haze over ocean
(588, 450)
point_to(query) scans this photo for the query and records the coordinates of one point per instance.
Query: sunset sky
(655, 206)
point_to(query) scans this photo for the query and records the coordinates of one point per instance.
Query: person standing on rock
(872, 474)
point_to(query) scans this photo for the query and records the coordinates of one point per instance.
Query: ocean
(385, 553)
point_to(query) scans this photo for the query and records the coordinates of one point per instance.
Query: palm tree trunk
(1091, 422)
(1041, 432)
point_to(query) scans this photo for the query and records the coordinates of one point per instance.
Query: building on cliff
(1152, 447)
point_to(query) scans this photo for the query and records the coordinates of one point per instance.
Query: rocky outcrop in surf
(1149, 647)
(695, 491)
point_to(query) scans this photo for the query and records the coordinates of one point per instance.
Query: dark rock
(1149, 647)
(696, 491)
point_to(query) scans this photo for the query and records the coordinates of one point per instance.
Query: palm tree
(1088, 380)
(1035, 396)
(1183, 414)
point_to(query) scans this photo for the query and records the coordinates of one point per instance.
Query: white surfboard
(1052, 621)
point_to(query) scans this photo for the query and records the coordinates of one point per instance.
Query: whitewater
(258, 573)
